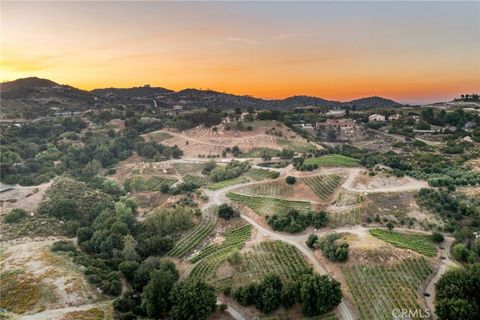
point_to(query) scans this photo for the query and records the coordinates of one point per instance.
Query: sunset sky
(410, 52)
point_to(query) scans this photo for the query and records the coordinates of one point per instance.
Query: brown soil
(201, 140)
(220, 315)
(26, 198)
(135, 166)
(44, 280)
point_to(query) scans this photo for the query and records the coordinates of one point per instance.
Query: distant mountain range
(42, 91)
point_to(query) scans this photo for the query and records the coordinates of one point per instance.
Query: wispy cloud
(289, 36)
(249, 41)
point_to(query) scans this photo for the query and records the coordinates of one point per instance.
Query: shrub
(437, 237)
(15, 215)
(312, 240)
(226, 212)
(320, 220)
(128, 269)
(290, 180)
(334, 249)
(234, 258)
(64, 245)
(293, 221)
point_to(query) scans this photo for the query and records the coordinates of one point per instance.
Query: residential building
(376, 118)
(346, 126)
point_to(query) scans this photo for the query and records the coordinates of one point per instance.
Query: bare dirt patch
(205, 141)
(385, 183)
(26, 198)
(39, 280)
(135, 166)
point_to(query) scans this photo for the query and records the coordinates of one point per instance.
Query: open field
(37, 279)
(377, 290)
(264, 206)
(261, 174)
(26, 198)
(419, 243)
(226, 183)
(205, 141)
(299, 147)
(332, 160)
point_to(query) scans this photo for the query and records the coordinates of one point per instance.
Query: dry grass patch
(90, 314)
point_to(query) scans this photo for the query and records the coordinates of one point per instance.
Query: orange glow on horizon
(276, 55)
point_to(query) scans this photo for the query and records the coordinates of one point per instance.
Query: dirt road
(445, 264)
(346, 311)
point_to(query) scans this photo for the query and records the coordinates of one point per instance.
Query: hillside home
(394, 117)
(376, 118)
(346, 126)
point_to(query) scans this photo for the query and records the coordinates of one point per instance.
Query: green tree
(448, 309)
(319, 294)
(290, 180)
(269, 293)
(193, 300)
(437, 237)
(129, 245)
(290, 294)
(312, 240)
(226, 212)
(156, 294)
(128, 268)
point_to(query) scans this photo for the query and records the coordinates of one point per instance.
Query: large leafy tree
(458, 293)
(269, 293)
(319, 294)
(156, 294)
(193, 300)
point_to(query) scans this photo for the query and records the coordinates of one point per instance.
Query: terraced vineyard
(419, 243)
(259, 153)
(296, 146)
(266, 206)
(213, 255)
(270, 189)
(261, 174)
(377, 290)
(332, 160)
(226, 183)
(192, 238)
(233, 239)
(154, 183)
(342, 218)
(198, 180)
(323, 186)
(184, 168)
(278, 257)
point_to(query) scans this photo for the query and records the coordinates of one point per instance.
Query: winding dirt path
(218, 197)
(345, 310)
(443, 267)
